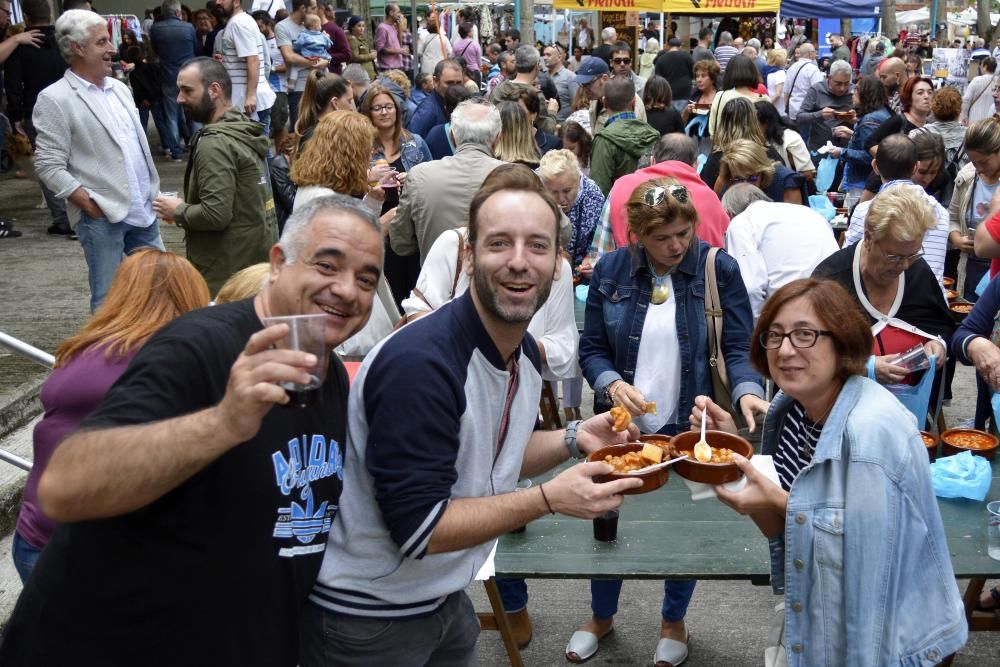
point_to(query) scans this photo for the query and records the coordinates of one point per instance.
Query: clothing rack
(119, 23)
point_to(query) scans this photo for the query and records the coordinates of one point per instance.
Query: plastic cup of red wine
(306, 333)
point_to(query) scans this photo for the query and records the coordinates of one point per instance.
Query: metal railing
(39, 357)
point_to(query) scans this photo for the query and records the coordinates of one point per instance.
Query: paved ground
(43, 299)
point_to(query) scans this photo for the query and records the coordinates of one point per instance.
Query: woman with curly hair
(395, 151)
(946, 107)
(335, 161)
(324, 92)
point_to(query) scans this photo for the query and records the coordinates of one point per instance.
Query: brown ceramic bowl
(651, 481)
(951, 442)
(709, 473)
(951, 295)
(948, 283)
(842, 115)
(960, 309)
(931, 443)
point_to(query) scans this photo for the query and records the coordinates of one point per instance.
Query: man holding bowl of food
(441, 428)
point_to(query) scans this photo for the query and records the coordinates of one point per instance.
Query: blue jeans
(172, 116)
(25, 556)
(676, 597)
(293, 107)
(104, 245)
(513, 593)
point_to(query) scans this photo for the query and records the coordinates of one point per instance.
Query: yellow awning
(732, 7)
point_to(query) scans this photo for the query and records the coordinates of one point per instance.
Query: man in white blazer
(92, 151)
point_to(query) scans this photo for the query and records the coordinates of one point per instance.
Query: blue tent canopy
(826, 9)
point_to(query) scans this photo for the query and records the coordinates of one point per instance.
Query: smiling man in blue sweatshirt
(441, 426)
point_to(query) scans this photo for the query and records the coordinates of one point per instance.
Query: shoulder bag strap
(713, 318)
(458, 262)
(788, 99)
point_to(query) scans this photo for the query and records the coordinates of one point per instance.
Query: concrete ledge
(20, 407)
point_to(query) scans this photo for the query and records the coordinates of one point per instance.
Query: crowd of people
(442, 216)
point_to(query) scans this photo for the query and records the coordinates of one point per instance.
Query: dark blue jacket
(620, 289)
(428, 114)
(175, 42)
(858, 161)
(439, 143)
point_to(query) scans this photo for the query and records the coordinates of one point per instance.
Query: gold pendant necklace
(661, 291)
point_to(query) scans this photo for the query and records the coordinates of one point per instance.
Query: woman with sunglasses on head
(892, 284)
(645, 341)
(746, 161)
(858, 548)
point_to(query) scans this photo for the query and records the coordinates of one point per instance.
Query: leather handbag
(713, 320)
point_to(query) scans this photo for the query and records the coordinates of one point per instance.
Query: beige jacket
(436, 198)
(961, 199)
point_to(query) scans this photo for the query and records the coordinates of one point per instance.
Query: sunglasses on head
(655, 196)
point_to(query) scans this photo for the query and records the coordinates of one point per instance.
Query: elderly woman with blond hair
(645, 322)
(892, 284)
(774, 75)
(746, 161)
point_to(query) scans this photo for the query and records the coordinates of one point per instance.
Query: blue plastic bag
(825, 173)
(961, 476)
(822, 205)
(699, 123)
(581, 291)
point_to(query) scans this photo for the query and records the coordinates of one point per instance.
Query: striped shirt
(241, 40)
(796, 445)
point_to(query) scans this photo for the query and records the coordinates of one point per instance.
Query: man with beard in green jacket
(227, 212)
(623, 140)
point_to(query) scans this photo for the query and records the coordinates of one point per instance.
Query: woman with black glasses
(892, 284)
(856, 539)
(645, 341)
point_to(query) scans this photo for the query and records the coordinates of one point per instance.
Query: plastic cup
(993, 530)
(522, 485)
(606, 527)
(306, 333)
(168, 193)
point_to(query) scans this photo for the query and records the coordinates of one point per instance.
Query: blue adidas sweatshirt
(424, 419)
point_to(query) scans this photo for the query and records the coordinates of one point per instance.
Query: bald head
(891, 73)
(807, 50)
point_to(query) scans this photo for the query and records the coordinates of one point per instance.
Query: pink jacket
(713, 219)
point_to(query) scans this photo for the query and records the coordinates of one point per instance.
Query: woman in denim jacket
(395, 151)
(872, 106)
(645, 338)
(856, 539)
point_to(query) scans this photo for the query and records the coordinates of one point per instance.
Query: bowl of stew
(947, 282)
(721, 470)
(626, 459)
(960, 309)
(931, 443)
(958, 440)
(951, 295)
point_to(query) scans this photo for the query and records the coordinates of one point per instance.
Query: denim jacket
(864, 561)
(858, 161)
(620, 289)
(413, 151)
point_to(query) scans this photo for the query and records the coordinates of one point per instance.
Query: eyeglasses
(741, 179)
(621, 61)
(799, 338)
(899, 259)
(655, 196)
(384, 108)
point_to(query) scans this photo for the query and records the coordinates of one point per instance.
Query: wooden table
(666, 535)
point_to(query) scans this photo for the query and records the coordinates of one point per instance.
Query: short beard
(203, 112)
(519, 315)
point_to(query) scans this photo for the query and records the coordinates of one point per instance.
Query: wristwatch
(570, 439)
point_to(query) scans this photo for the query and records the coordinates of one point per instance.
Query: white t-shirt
(240, 40)
(270, 6)
(285, 34)
(775, 243)
(658, 363)
(775, 79)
